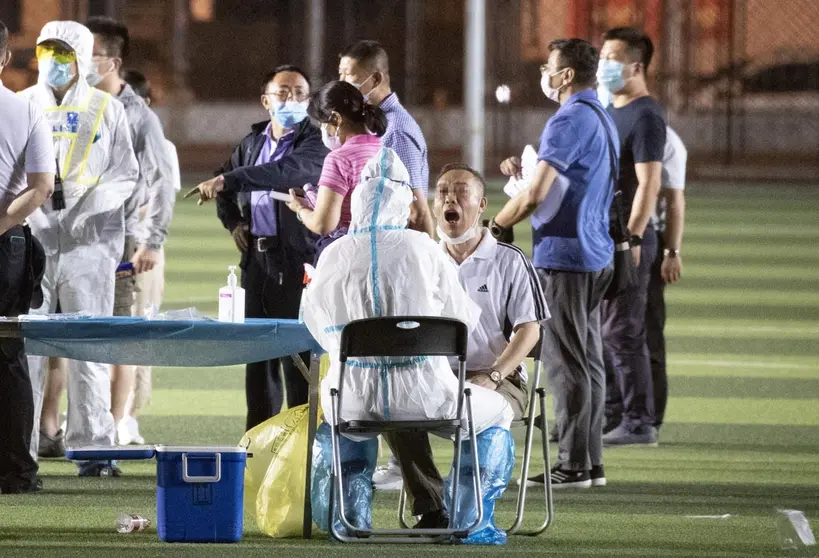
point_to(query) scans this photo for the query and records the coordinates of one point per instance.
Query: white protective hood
(75, 35)
(382, 199)
(380, 268)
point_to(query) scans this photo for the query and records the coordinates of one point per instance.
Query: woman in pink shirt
(351, 129)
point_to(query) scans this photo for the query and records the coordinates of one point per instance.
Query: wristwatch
(671, 252)
(635, 240)
(496, 377)
(502, 234)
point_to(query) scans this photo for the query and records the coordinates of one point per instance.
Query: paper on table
(528, 162)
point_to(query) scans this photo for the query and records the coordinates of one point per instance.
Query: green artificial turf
(741, 434)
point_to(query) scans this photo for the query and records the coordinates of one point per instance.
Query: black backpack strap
(614, 164)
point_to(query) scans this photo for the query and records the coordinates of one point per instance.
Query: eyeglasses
(60, 55)
(284, 94)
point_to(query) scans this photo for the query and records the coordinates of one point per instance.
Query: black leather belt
(265, 243)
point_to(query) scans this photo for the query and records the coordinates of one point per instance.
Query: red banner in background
(580, 20)
(591, 18)
(712, 18)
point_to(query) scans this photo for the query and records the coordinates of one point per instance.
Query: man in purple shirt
(281, 153)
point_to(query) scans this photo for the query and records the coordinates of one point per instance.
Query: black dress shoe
(18, 488)
(433, 520)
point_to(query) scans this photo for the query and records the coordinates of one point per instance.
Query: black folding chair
(528, 421)
(405, 336)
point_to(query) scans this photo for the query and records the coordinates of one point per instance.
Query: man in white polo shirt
(26, 181)
(503, 283)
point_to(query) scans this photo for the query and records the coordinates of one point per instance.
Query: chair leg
(456, 476)
(402, 509)
(337, 482)
(547, 487)
(527, 451)
(476, 466)
(547, 461)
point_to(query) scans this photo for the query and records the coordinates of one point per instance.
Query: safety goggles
(58, 54)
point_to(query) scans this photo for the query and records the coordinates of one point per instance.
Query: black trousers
(17, 468)
(629, 386)
(655, 333)
(273, 288)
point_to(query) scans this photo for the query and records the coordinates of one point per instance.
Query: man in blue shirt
(569, 200)
(366, 66)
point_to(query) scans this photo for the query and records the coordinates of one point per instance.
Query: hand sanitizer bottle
(232, 300)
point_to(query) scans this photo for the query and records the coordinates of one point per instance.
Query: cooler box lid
(95, 453)
(171, 451)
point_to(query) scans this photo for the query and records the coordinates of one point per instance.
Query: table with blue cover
(188, 343)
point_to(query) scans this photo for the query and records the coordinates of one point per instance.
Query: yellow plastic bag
(279, 500)
(275, 475)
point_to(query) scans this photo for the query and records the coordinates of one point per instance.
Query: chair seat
(445, 427)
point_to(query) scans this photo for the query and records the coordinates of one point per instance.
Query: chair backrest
(398, 336)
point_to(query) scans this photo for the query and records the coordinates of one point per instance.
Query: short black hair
(268, 77)
(578, 55)
(463, 167)
(114, 35)
(138, 82)
(370, 54)
(640, 48)
(4, 39)
(347, 100)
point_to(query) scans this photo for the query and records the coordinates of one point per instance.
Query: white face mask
(94, 77)
(330, 142)
(468, 234)
(545, 84)
(360, 85)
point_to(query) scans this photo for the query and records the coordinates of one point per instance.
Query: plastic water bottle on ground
(132, 523)
(793, 530)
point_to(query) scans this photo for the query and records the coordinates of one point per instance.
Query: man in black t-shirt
(640, 122)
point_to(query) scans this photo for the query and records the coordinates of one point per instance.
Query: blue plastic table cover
(189, 343)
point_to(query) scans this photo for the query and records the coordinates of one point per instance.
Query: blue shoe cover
(496, 456)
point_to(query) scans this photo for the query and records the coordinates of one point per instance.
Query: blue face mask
(56, 74)
(610, 75)
(289, 113)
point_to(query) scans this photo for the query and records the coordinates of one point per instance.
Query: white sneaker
(123, 433)
(133, 429)
(388, 477)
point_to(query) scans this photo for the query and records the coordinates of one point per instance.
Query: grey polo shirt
(26, 145)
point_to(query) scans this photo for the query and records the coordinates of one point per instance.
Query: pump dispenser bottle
(232, 300)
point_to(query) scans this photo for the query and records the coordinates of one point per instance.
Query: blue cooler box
(199, 489)
(199, 493)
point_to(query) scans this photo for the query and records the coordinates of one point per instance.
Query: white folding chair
(528, 421)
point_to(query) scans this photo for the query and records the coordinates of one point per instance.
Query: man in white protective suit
(83, 236)
(381, 268)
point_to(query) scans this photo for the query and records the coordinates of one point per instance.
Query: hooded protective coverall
(84, 241)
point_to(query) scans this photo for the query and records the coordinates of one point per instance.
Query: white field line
(743, 364)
